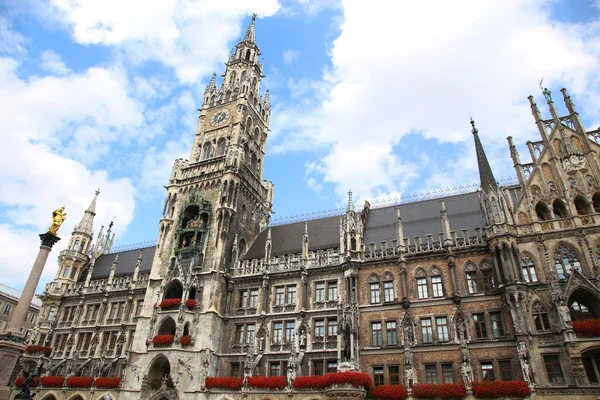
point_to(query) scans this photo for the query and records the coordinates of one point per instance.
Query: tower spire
(485, 171)
(250, 33)
(86, 224)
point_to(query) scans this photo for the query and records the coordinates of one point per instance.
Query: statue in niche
(525, 363)
(302, 339)
(467, 374)
(565, 315)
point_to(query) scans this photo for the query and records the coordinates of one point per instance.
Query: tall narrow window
(447, 373)
(320, 291)
(553, 369)
(480, 330)
(394, 374)
(378, 376)
(319, 330)
(391, 333)
(505, 370)
(431, 374)
(239, 334)
(427, 330)
(250, 330)
(253, 300)
(318, 368)
(289, 331)
(489, 283)
(375, 293)
(331, 328)
(422, 288)
(377, 339)
(472, 282)
(275, 369)
(332, 292)
(442, 329)
(565, 261)
(487, 371)
(497, 327)
(291, 295)
(388, 291)
(540, 317)
(528, 268)
(279, 295)
(277, 332)
(243, 299)
(436, 286)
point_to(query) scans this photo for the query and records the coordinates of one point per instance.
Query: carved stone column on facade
(304, 279)
(264, 292)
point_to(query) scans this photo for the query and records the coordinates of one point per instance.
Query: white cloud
(46, 120)
(10, 42)
(412, 70)
(314, 185)
(53, 63)
(190, 36)
(290, 55)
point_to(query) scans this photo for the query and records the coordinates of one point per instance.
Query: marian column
(12, 341)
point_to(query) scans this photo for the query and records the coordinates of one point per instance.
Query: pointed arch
(232, 78)
(389, 292)
(174, 290)
(528, 267)
(207, 151)
(167, 326)
(566, 260)
(374, 289)
(221, 145)
(159, 368)
(581, 205)
(596, 202)
(539, 313)
(542, 212)
(559, 209)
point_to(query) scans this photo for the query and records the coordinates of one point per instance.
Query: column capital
(48, 239)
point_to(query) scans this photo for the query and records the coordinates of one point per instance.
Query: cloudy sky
(374, 96)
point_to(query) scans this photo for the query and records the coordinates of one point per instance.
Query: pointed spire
(250, 33)
(213, 83)
(485, 171)
(350, 202)
(87, 222)
(267, 102)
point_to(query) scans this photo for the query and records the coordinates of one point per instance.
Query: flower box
(356, 379)
(34, 349)
(163, 340)
(108, 382)
(445, 391)
(191, 303)
(185, 340)
(80, 381)
(224, 382)
(20, 381)
(268, 382)
(52, 381)
(167, 304)
(309, 383)
(587, 327)
(496, 389)
(389, 392)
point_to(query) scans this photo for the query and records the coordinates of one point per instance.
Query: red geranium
(185, 340)
(108, 382)
(21, 380)
(389, 392)
(224, 382)
(169, 303)
(163, 340)
(52, 381)
(191, 303)
(309, 383)
(356, 379)
(33, 349)
(268, 382)
(495, 389)
(445, 391)
(587, 327)
(79, 381)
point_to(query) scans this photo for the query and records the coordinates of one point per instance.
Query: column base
(10, 349)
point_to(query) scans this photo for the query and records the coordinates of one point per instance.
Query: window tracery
(565, 261)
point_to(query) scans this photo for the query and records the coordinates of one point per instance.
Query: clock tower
(216, 205)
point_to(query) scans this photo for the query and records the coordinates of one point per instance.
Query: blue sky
(103, 94)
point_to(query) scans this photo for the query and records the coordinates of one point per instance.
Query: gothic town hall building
(486, 284)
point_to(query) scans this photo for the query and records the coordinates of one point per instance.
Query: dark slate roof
(418, 218)
(126, 263)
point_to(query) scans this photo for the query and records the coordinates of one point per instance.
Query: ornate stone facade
(474, 286)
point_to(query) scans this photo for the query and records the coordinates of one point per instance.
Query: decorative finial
(350, 202)
(473, 129)
(97, 192)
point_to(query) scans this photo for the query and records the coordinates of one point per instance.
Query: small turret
(305, 242)
(250, 33)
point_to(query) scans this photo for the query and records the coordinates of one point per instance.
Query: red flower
(169, 303)
(495, 389)
(108, 382)
(268, 382)
(52, 381)
(445, 391)
(33, 349)
(191, 303)
(79, 381)
(356, 379)
(163, 340)
(224, 382)
(185, 340)
(389, 392)
(309, 383)
(21, 380)
(587, 327)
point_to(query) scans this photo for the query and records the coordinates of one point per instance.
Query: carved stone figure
(467, 373)
(525, 363)
(409, 376)
(302, 339)
(58, 217)
(565, 315)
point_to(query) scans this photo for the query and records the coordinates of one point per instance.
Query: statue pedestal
(348, 366)
(11, 348)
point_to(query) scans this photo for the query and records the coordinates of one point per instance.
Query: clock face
(220, 117)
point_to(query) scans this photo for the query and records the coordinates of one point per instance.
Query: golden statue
(58, 217)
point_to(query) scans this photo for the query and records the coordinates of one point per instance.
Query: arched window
(559, 209)
(207, 151)
(542, 212)
(596, 202)
(241, 248)
(228, 96)
(487, 276)
(192, 293)
(388, 287)
(186, 329)
(565, 261)
(174, 290)
(437, 287)
(248, 55)
(248, 125)
(253, 163)
(221, 144)
(167, 327)
(232, 78)
(421, 283)
(581, 206)
(243, 215)
(540, 317)
(583, 304)
(473, 285)
(528, 268)
(76, 244)
(254, 83)
(257, 135)
(374, 289)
